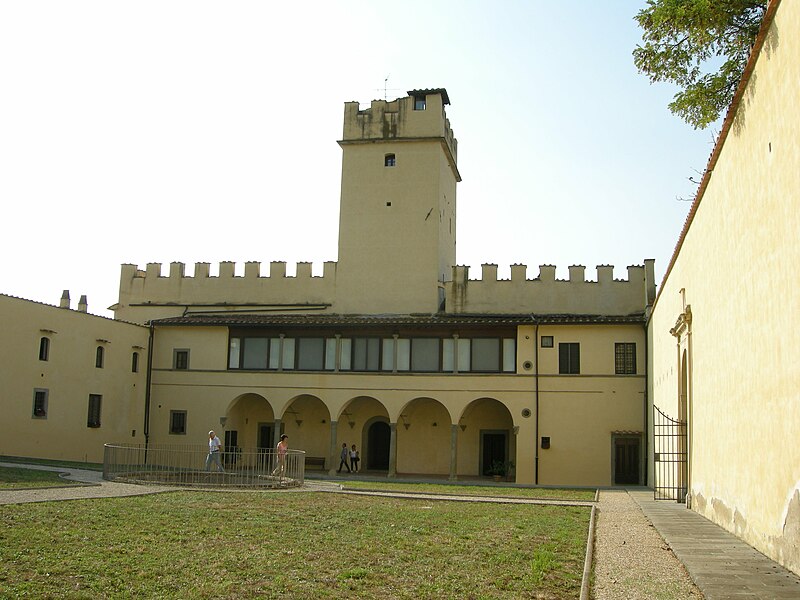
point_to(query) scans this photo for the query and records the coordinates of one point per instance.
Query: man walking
(344, 455)
(214, 451)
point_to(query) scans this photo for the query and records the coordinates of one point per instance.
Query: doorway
(378, 436)
(265, 436)
(494, 448)
(627, 460)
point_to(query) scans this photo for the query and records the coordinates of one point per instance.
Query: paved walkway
(721, 565)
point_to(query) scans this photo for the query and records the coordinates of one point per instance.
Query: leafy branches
(682, 37)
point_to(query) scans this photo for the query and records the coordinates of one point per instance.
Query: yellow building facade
(723, 338)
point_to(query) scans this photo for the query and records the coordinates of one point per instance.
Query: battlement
(147, 294)
(418, 116)
(548, 295)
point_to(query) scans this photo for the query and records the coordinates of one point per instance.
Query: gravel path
(631, 559)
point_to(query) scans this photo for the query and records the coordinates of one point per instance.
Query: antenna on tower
(386, 88)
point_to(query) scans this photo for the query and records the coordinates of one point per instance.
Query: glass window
(547, 341)
(388, 354)
(464, 354)
(425, 354)
(419, 103)
(180, 360)
(366, 354)
(389, 160)
(346, 355)
(135, 362)
(330, 354)
(99, 357)
(448, 354)
(93, 420)
(486, 354)
(274, 353)
(287, 360)
(625, 358)
(234, 353)
(569, 358)
(310, 354)
(40, 403)
(177, 422)
(403, 354)
(44, 348)
(254, 353)
(509, 355)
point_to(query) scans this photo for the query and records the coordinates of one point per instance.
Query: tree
(685, 38)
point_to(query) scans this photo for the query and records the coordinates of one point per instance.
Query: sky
(195, 131)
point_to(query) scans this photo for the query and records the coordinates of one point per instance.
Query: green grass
(289, 545)
(12, 477)
(471, 490)
(52, 463)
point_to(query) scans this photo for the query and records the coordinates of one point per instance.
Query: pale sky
(192, 131)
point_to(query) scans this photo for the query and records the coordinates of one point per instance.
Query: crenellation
(227, 269)
(177, 269)
(577, 274)
(252, 268)
(153, 270)
(277, 269)
(546, 294)
(303, 270)
(202, 270)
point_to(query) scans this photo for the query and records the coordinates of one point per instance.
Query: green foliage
(683, 39)
(11, 477)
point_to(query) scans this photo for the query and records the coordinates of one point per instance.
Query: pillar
(453, 451)
(333, 457)
(392, 450)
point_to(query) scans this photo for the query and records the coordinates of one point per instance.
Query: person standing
(214, 451)
(354, 458)
(343, 456)
(282, 450)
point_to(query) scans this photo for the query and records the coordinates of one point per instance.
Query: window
(366, 354)
(135, 362)
(389, 160)
(254, 353)
(93, 420)
(99, 357)
(569, 358)
(547, 341)
(180, 359)
(177, 422)
(486, 354)
(424, 354)
(625, 358)
(419, 103)
(44, 348)
(40, 403)
(310, 354)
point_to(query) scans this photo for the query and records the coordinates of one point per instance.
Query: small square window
(95, 402)
(389, 160)
(177, 422)
(419, 103)
(40, 403)
(180, 360)
(547, 341)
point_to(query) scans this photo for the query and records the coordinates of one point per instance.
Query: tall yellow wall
(737, 266)
(69, 375)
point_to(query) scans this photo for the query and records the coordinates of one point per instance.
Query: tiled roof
(439, 320)
(441, 91)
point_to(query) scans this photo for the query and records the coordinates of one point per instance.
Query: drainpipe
(646, 453)
(147, 387)
(536, 383)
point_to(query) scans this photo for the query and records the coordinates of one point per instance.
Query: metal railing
(671, 457)
(190, 465)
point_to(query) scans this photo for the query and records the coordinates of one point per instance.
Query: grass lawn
(12, 477)
(52, 463)
(290, 545)
(470, 490)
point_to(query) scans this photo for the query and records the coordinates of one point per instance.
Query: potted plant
(498, 470)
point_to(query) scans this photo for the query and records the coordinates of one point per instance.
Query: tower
(397, 219)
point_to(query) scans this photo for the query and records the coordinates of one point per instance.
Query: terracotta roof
(441, 91)
(766, 22)
(330, 320)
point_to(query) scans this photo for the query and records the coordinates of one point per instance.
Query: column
(392, 450)
(453, 451)
(333, 454)
(276, 433)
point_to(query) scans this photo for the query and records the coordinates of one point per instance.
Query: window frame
(45, 397)
(172, 421)
(390, 159)
(134, 362)
(178, 363)
(625, 358)
(572, 364)
(44, 348)
(99, 357)
(93, 418)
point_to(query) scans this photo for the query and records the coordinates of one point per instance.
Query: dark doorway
(494, 446)
(231, 448)
(265, 436)
(626, 461)
(378, 437)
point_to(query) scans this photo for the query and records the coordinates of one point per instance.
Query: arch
(356, 425)
(306, 420)
(423, 437)
(246, 421)
(376, 442)
(485, 436)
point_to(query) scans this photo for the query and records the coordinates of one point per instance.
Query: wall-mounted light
(406, 424)
(435, 424)
(223, 421)
(299, 422)
(352, 424)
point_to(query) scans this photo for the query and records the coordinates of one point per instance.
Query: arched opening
(486, 442)
(423, 438)
(378, 439)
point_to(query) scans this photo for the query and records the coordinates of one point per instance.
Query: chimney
(82, 304)
(64, 300)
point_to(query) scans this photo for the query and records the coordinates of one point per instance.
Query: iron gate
(671, 457)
